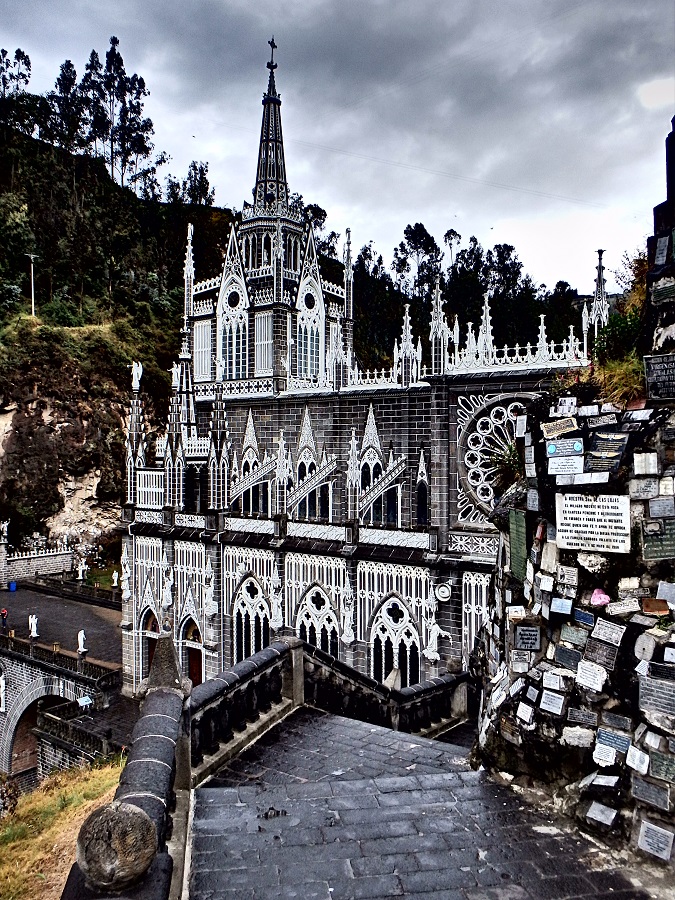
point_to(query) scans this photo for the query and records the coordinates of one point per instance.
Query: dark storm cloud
(531, 94)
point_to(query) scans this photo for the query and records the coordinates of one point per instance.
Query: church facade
(295, 493)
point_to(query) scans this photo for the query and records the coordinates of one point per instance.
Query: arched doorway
(395, 643)
(150, 631)
(251, 621)
(317, 623)
(192, 652)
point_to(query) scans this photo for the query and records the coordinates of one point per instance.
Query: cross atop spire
(270, 195)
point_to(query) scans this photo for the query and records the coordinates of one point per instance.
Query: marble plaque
(583, 617)
(660, 373)
(568, 575)
(598, 812)
(529, 454)
(520, 660)
(669, 654)
(662, 670)
(517, 686)
(624, 607)
(552, 680)
(546, 583)
(525, 712)
(552, 430)
(657, 695)
(566, 465)
(601, 653)
(643, 488)
(592, 410)
(609, 632)
(566, 657)
(574, 635)
(582, 716)
(531, 694)
(655, 840)
(528, 637)
(603, 421)
(655, 794)
(637, 760)
(551, 702)
(604, 755)
(620, 742)
(591, 675)
(616, 721)
(533, 499)
(666, 591)
(662, 507)
(646, 463)
(593, 523)
(521, 426)
(565, 447)
(662, 765)
(561, 605)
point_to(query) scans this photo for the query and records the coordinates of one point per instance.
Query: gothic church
(294, 493)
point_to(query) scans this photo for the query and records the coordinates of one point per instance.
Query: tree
(196, 187)
(450, 238)
(94, 108)
(67, 110)
(378, 310)
(420, 248)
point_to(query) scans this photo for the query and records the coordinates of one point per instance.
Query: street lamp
(33, 256)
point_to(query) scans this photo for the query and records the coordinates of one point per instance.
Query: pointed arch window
(317, 623)
(264, 343)
(309, 336)
(251, 621)
(395, 643)
(234, 337)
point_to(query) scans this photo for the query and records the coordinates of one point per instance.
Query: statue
(167, 592)
(82, 569)
(136, 373)
(175, 376)
(3, 531)
(431, 649)
(347, 616)
(115, 578)
(210, 605)
(220, 368)
(126, 576)
(81, 638)
(275, 602)
(33, 626)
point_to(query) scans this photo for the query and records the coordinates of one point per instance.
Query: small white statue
(136, 373)
(33, 625)
(220, 368)
(115, 578)
(275, 602)
(175, 376)
(431, 649)
(81, 638)
(82, 569)
(167, 586)
(210, 605)
(347, 617)
(3, 530)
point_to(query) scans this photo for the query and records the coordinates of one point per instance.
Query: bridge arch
(45, 686)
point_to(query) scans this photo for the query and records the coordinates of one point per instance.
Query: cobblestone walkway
(325, 807)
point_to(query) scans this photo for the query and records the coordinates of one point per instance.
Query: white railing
(208, 285)
(186, 520)
(150, 488)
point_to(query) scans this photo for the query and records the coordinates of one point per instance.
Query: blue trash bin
(12, 585)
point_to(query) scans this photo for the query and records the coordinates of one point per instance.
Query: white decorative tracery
(475, 595)
(394, 642)
(251, 617)
(317, 622)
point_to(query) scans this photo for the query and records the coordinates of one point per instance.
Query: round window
(233, 299)
(310, 301)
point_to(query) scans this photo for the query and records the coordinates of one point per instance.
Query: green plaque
(660, 546)
(518, 542)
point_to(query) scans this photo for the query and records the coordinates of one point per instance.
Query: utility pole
(32, 256)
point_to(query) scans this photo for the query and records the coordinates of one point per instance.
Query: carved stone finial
(116, 846)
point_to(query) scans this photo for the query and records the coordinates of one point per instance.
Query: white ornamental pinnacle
(277, 620)
(347, 636)
(353, 475)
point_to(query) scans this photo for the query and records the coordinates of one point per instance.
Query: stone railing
(103, 676)
(232, 709)
(111, 598)
(423, 709)
(56, 723)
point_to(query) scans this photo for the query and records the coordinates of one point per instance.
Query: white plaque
(642, 667)
(577, 737)
(517, 686)
(568, 575)
(667, 486)
(551, 702)
(669, 654)
(662, 507)
(521, 426)
(601, 813)
(546, 583)
(652, 740)
(604, 755)
(643, 488)
(623, 607)
(566, 465)
(520, 660)
(637, 760)
(529, 454)
(646, 463)
(609, 632)
(593, 523)
(591, 675)
(552, 680)
(655, 840)
(661, 251)
(531, 694)
(561, 605)
(644, 646)
(530, 470)
(525, 712)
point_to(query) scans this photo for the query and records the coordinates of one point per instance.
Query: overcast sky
(538, 123)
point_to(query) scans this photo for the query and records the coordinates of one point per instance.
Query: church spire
(270, 195)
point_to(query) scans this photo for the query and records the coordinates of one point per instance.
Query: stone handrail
(333, 686)
(228, 711)
(111, 598)
(104, 676)
(73, 734)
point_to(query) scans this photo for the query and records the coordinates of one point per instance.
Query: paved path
(325, 807)
(59, 619)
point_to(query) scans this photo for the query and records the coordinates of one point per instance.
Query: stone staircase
(331, 808)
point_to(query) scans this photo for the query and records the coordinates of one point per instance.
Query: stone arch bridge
(32, 673)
